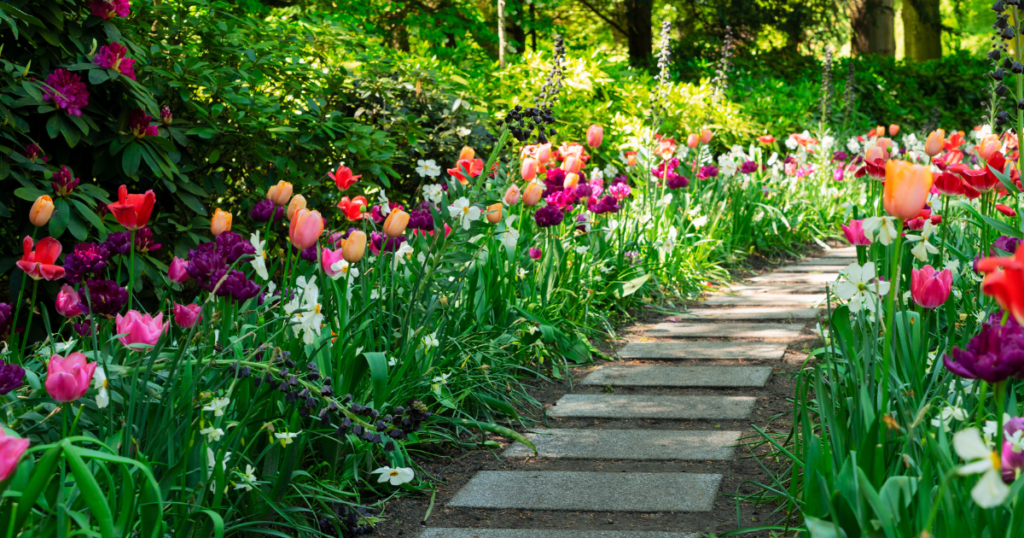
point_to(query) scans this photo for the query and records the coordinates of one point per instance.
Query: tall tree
(874, 27)
(632, 19)
(922, 30)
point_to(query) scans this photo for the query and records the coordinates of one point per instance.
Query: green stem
(131, 269)
(890, 316)
(28, 324)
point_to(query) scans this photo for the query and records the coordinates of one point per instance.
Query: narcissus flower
(41, 263)
(133, 210)
(990, 491)
(67, 91)
(860, 288)
(395, 477)
(68, 378)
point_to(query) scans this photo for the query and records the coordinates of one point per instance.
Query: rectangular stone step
(845, 252)
(797, 277)
(651, 407)
(726, 330)
(632, 445)
(702, 350)
(810, 268)
(749, 314)
(680, 376)
(592, 492)
(548, 533)
(763, 299)
(831, 262)
(778, 288)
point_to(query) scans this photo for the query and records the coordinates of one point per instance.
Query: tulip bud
(532, 194)
(280, 193)
(494, 213)
(933, 145)
(512, 195)
(893, 129)
(544, 153)
(595, 134)
(692, 140)
(220, 222)
(396, 222)
(529, 169)
(571, 180)
(630, 158)
(354, 246)
(467, 153)
(879, 131)
(705, 136)
(178, 270)
(298, 202)
(67, 302)
(41, 211)
(187, 315)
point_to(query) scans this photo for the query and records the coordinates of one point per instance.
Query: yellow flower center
(344, 269)
(862, 287)
(317, 309)
(264, 254)
(465, 210)
(997, 462)
(393, 473)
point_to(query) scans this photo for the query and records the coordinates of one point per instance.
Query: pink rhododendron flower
(139, 124)
(67, 91)
(106, 9)
(139, 328)
(115, 56)
(68, 378)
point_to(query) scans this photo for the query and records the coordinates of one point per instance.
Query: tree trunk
(922, 30)
(501, 34)
(873, 24)
(639, 36)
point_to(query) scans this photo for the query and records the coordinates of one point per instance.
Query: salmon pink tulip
(572, 164)
(532, 194)
(220, 222)
(894, 129)
(11, 449)
(138, 328)
(41, 262)
(186, 315)
(494, 213)
(766, 139)
(132, 210)
(396, 223)
(989, 145)
(595, 134)
(630, 158)
(571, 180)
(528, 170)
(67, 302)
(512, 195)
(933, 145)
(1006, 286)
(705, 136)
(343, 178)
(68, 378)
(855, 233)
(305, 228)
(354, 246)
(544, 153)
(666, 148)
(692, 140)
(906, 189)
(280, 193)
(41, 211)
(930, 288)
(298, 202)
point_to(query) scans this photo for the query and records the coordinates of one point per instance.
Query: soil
(404, 516)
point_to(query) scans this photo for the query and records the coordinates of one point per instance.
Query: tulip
(494, 213)
(893, 129)
(41, 262)
(595, 134)
(630, 158)
(343, 177)
(1006, 210)
(330, 257)
(512, 195)
(692, 140)
(535, 253)
(41, 211)
(178, 270)
(766, 139)
(879, 131)
(949, 184)
(906, 189)
(855, 233)
(354, 246)
(1007, 285)
(138, 328)
(396, 223)
(280, 193)
(544, 153)
(571, 164)
(988, 145)
(67, 302)
(705, 136)
(997, 161)
(354, 208)
(187, 315)
(930, 288)
(305, 228)
(220, 222)
(532, 194)
(875, 153)
(68, 378)
(467, 153)
(11, 449)
(933, 145)
(571, 180)
(298, 202)
(132, 210)
(528, 170)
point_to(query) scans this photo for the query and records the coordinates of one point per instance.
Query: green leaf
(61, 217)
(823, 529)
(91, 492)
(192, 202)
(631, 286)
(494, 428)
(53, 125)
(90, 216)
(71, 133)
(131, 158)
(26, 193)
(43, 472)
(378, 377)
(203, 132)
(282, 130)
(98, 76)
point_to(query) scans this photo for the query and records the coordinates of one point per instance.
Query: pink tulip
(930, 288)
(572, 165)
(178, 270)
(11, 449)
(139, 328)
(855, 233)
(305, 228)
(692, 140)
(67, 302)
(528, 170)
(595, 134)
(535, 253)
(68, 378)
(186, 315)
(330, 257)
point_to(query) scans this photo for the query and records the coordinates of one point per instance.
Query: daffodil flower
(248, 478)
(990, 491)
(464, 211)
(99, 382)
(259, 259)
(861, 289)
(212, 434)
(882, 228)
(396, 477)
(217, 406)
(286, 438)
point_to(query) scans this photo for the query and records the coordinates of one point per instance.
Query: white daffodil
(861, 289)
(403, 253)
(385, 205)
(396, 477)
(700, 221)
(434, 192)
(259, 259)
(99, 382)
(392, 362)
(212, 434)
(428, 168)
(442, 379)
(464, 211)
(509, 237)
(991, 428)
(882, 228)
(990, 491)
(342, 268)
(211, 459)
(922, 249)
(949, 413)
(217, 406)
(376, 294)
(286, 438)
(430, 341)
(248, 478)
(305, 307)
(610, 229)
(521, 273)
(463, 132)
(668, 243)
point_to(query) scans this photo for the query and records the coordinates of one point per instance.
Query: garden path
(744, 331)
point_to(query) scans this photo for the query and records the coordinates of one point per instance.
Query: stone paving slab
(776, 288)
(763, 299)
(797, 277)
(845, 252)
(702, 350)
(640, 406)
(548, 533)
(596, 492)
(632, 445)
(749, 314)
(830, 261)
(680, 376)
(726, 330)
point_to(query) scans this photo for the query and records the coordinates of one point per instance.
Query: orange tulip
(280, 193)
(879, 131)
(571, 180)
(467, 153)
(692, 140)
(893, 129)
(494, 213)
(571, 164)
(220, 222)
(41, 211)
(906, 189)
(529, 169)
(396, 222)
(933, 145)
(512, 195)
(989, 145)
(705, 136)
(532, 194)
(298, 202)
(354, 246)
(884, 143)
(630, 158)
(305, 228)
(595, 134)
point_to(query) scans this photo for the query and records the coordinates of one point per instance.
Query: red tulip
(1006, 210)
(1006, 286)
(68, 378)
(766, 139)
(343, 177)
(305, 228)
(954, 141)
(996, 161)
(41, 263)
(949, 184)
(132, 210)
(354, 208)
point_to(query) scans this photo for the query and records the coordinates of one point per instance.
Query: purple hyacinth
(6, 320)
(106, 296)
(605, 205)
(748, 167)
(994, 354)
(1006, 243)
(12, 377)
(119, 243)
(707, 172)
(234, 285)
(144, 240)
(68, 91)
(87, 260)
(548, 216)
(233, 246)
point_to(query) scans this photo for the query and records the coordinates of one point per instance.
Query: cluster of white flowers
(853, 145)
(305, 307)
(427, 168)
(729, 163)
